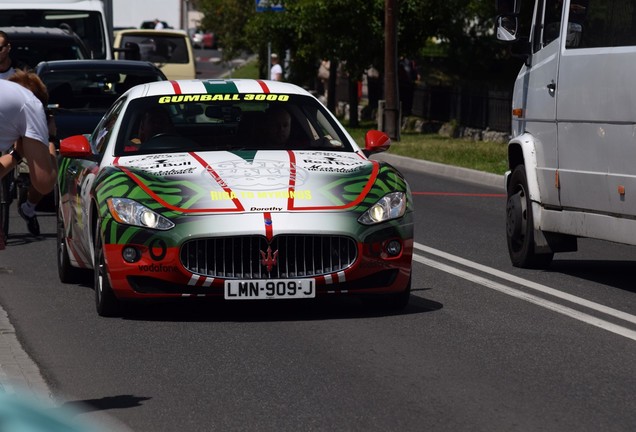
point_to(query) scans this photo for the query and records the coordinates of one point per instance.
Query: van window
(552, 22)
(88, 25)
(603, 23)
(160, 49)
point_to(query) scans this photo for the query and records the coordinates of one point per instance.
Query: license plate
(263, 289)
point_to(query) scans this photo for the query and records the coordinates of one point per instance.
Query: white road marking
(581, 316)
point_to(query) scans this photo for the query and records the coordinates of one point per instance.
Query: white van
(572, 156)
(84, 17)
(170, 50)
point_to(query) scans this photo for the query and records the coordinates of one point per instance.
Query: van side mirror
(507, 28)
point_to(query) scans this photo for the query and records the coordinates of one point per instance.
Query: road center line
(564, 310)
(529, 284)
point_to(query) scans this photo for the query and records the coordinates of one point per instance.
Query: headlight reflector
(130, 212)
(390, 206)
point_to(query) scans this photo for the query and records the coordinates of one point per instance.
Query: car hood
(258, 181)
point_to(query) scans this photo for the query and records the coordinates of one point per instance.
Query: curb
(467, 174)
(18, 372)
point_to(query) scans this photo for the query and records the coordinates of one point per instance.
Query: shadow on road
(332, 308)
(617, 274)
(105, 403)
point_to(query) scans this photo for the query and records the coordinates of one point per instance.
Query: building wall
(128, 13)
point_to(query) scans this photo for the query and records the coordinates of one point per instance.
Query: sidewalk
(470, 175)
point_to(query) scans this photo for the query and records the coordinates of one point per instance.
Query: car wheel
(520, 225)
(106, 303)
(65, 271)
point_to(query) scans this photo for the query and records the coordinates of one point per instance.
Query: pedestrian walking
(276, 72)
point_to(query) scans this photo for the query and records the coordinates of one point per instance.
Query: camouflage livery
(266, 214)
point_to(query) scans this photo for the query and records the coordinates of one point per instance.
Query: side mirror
(130, 51)
(507, 28)
(77, 147)
(376, 141)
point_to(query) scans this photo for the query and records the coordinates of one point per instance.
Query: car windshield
(184, 123)
(89, 89)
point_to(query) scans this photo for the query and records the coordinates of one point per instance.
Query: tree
(228, 18)
(351, 32)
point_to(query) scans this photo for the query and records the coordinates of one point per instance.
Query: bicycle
(5, 202)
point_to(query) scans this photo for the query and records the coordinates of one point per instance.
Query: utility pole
(391, 95)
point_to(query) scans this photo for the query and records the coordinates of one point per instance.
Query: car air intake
(252, 257)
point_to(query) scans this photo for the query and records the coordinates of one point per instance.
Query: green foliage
(227, 19)
(353, 31)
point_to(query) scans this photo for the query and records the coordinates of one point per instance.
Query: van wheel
(520, 226)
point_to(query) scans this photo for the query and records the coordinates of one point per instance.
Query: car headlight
(130, 212)
(390, 206)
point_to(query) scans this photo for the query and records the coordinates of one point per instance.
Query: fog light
(394, 248)
(130, 254)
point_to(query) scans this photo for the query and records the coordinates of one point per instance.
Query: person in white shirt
(24, 122)
(276, 73)
(31, 81)
(158, 24)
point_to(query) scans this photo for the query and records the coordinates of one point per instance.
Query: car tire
(106, 303)
(520, 224)
(65, 271)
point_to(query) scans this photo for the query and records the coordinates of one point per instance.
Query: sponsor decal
(158, 268)
(259, 175)
(266, 209)
(223, 97)
(332, 164)
(286, 194)
(165, 165)
(157, 249)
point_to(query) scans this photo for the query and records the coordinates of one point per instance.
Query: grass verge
(479, 155)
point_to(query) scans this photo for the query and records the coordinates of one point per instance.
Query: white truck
(86, 18)
(572, 153)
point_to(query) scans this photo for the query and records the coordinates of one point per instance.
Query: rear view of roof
(31, 45)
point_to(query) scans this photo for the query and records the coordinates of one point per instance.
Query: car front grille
(252, 257)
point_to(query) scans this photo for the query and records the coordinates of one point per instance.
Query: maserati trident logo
(269, 260)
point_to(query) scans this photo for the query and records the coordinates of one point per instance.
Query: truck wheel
(520, 226)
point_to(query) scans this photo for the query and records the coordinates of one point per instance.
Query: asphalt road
(210, 64)
(481, 347)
